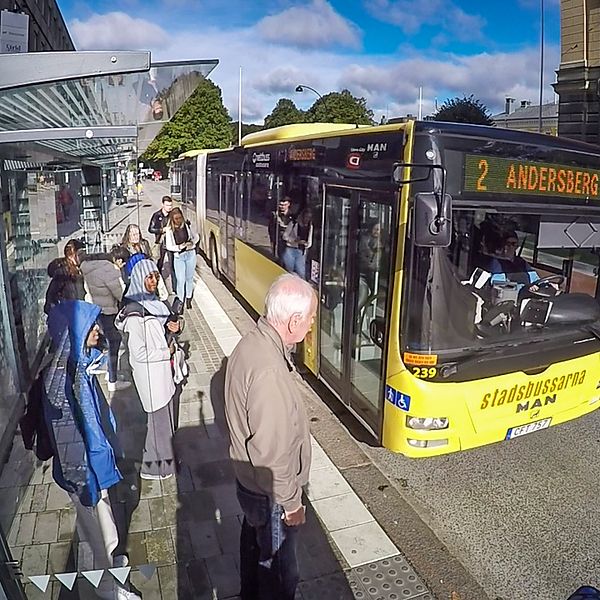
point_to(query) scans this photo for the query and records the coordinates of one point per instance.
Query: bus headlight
(427, 423)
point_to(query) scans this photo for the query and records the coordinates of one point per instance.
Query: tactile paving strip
(330, 586)
(389, 579)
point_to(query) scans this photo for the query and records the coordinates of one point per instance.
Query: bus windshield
(522, 267)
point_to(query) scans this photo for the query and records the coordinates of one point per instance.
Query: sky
(382, 50)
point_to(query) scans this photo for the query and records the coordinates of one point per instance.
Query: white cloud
(316, 25)
(281, 80)
(389, 83)
(116, 31)
(490, 77)
(411, 15)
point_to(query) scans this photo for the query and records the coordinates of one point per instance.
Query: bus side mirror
(432, 218)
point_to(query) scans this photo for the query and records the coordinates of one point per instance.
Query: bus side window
(260, 210)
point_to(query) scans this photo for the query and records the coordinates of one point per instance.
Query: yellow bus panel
(484, 411)
(254, 274)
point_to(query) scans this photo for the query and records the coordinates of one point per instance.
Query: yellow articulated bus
(456, 266)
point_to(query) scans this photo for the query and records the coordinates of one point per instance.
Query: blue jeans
(184, 265)
(113, 337)
(268, 563)
(294, 261)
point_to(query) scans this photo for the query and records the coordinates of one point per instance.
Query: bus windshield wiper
(473, 355)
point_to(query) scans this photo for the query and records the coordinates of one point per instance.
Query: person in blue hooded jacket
(76, 410)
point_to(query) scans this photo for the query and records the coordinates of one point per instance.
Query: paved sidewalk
(182, 534)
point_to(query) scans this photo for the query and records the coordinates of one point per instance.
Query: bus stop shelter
(72, 126)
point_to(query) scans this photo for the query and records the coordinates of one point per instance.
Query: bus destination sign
(495, 175)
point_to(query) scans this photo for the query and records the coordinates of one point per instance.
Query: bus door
(227, 225)
(354, 286)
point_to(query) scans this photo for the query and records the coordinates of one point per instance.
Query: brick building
(578, 81)
(47, 28)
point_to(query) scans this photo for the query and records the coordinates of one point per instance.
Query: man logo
(353, 160)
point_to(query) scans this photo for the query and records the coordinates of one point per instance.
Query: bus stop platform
(181, 535)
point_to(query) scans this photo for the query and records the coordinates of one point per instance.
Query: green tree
(463, 110)
(246, 129)
(284, 113)
(202, 122)
(340, 107)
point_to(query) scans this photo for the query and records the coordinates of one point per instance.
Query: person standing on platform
(65, 199)
(67, 279)
(157, 225)
(89, 468)
(270, 440)
(181, 240)
(105, 285)
(148, 321)
(134, 242)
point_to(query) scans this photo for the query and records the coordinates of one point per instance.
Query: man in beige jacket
(270, 440)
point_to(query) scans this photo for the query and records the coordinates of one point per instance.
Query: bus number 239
(424, 372)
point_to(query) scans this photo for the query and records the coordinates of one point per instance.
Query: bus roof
(503, 134)
(192, 153)
(286, 132)
(302, 131)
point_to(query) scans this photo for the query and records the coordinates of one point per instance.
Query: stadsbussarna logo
(533, 389)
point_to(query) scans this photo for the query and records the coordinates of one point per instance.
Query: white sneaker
(97, 371)
(118, 385)
(155, 477)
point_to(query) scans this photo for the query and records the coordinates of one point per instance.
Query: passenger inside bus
(507, 266)
(512, 265)
(298, 238)
(370, 261)
(510, 294)
(278, 222)
(498, 255)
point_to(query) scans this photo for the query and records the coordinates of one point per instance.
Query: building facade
(526, 117)
(47, 28)
(578, 76)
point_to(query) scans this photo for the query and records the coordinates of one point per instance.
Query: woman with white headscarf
(147, 321)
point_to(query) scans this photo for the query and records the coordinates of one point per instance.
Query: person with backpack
(67, 279)
(149, 324)
(89, 468)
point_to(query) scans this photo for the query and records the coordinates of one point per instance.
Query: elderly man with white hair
(270, 440)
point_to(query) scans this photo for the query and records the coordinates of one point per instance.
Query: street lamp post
(541, 64)
(301, 88)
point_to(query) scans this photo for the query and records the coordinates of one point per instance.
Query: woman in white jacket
(181, 240)
(146, 321)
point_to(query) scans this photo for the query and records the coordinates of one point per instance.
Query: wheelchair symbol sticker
(398, 399)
